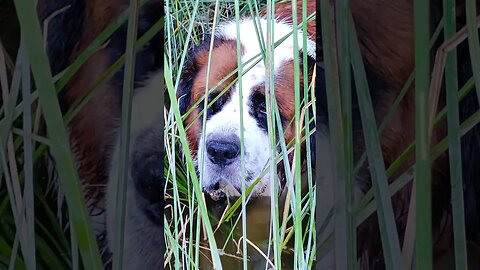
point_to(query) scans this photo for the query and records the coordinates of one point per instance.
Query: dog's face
(217, 147)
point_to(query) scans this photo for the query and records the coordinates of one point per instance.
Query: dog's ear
(189, 72)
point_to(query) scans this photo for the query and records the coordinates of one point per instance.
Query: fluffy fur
(94, 131)
(385, 31)
(223, 118)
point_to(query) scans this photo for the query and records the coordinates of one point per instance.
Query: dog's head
(221, 161)
(217, 147)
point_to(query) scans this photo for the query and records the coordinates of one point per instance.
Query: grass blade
(422, 173)
(337, 136)
(60, 147)
(343, 38)
(454, 140)
(388, 228)
(127, 94)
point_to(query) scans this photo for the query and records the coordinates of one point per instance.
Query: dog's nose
(223, 152)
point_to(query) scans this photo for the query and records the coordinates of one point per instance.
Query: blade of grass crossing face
(203, 214)
(299, 258)
(337, 137)
(311, 230)
(269, 99)
(60, 147)
(386, 219)
(204, 121)
(422, 157)
(258, 30)
(242, 137)
(454, 140)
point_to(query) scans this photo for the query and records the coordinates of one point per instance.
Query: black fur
(190, 72)
(147, 173)
(216, 106)
(63, 31)
(257, 109)
(441, 187)
(150, 57)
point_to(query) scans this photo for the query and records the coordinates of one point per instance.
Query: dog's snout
(223, 152)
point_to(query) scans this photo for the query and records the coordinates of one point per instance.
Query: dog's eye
(258, 105)
(258, 109)
(217, 105)
(214, 107)
(262, 108)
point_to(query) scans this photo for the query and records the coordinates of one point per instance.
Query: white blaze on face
(225, 124)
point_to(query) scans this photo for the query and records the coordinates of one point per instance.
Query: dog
(386, 37)
(93, 132)
(385, 33)
(222, 162)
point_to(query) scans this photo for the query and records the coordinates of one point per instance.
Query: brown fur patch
(223, 62)
(99, 15)
(285, 96)
(284, 93)
(385, 29)
(385, 32)
(93, 128)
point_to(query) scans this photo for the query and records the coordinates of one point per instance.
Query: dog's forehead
(250, 38)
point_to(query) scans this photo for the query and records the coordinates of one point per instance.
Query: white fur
(227, 121)
(249, 40)
(256, 146)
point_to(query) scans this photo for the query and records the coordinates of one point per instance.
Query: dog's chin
(224, 192)
(220, 185)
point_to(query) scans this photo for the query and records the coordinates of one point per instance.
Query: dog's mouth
(222, 190)
(217, 195)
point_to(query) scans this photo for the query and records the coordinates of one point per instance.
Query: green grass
(40, 229)
(184, 237)
(40, 219)
(59, 146)
(341, 239)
